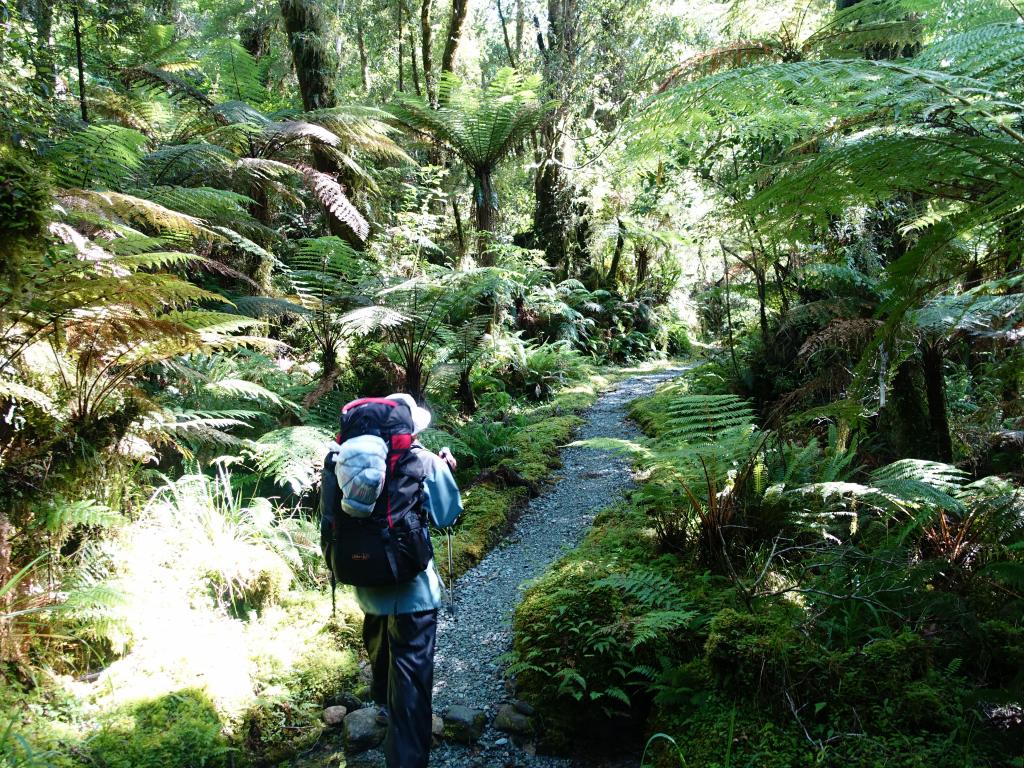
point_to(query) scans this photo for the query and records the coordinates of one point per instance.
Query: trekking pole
(451, 575)
(334, 583)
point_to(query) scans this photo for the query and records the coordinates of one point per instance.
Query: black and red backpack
(392, 545)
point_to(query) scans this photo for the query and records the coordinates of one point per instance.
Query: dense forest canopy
(222, 219)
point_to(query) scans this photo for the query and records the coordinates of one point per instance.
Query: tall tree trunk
(460, 9)
(316, 68)
(555, 205)
(486, 202)
(612, 279)
(413, 59)
(81, 65)
(364, 64)
(504, 33)
(427, 45)
(933, 364)
(42, 53)
(316, 64)
(459, 233)
(780, 285)
(401, 49)
(762, 300)
(520, 28)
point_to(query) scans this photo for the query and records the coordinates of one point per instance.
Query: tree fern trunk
(466, 396)
(414, 378)
(643, 263)
(612, 279)
(486, 203)
(904, 422)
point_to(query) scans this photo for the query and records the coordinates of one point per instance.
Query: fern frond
(62, 514)
(332, 196)
(648, 588)
(292, 456)
(138, 212)
(480, 128)
(233, 71)
(102, 156)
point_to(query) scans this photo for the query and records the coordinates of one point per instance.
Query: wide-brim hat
(420, 416)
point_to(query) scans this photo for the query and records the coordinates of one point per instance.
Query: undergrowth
(216, 645)
(761, 602)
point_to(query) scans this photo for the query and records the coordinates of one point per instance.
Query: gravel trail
(466, 670)
(466, 667)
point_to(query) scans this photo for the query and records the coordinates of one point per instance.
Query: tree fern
(233, 71)
(100, 156)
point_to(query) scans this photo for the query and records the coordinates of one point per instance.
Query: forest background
(220, 220)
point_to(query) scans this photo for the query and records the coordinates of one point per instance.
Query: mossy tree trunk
(316, 64)
(460, 9)
(905, 423)
(556, 207)
(316, 67)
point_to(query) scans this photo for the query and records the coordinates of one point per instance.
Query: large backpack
(391, 545)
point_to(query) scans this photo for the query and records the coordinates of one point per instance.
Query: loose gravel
(467, 669)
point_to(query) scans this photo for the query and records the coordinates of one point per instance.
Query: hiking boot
(382, 716)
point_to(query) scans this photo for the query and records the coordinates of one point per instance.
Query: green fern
(292, 456)
(648, 588)
(100, 156)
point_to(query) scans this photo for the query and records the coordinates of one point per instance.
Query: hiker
(380, 486)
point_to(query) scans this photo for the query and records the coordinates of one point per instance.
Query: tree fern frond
(332, 196)
(368, 319)
(480, 129)
(138, 212)
(171, 80)
(103, 156)
(248, 390)
(187, 164)
(233, 71)
(292, 456)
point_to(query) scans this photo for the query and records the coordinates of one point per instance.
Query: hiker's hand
(449, 459)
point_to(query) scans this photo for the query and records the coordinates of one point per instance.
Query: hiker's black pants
(401, 651)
